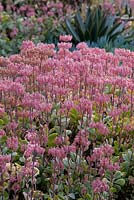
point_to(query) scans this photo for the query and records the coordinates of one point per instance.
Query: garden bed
(66, 123)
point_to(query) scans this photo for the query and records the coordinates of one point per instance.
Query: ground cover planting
(44, 21)
(66, 123)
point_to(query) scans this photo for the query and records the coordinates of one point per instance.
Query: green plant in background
(128, 170)
(120, 42)
(97, 28)
(22, 20)
(14, 30)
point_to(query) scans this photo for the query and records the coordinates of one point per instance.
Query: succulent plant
(95, 25)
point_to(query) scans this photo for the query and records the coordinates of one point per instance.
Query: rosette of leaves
(115, 181)
(96, 25)
(128, 170)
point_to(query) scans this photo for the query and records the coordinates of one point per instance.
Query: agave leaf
(129, 37)
(103, 26)
(103, 41)
(101, 19)
(94, 34)
(88, 18)
(100, 23)
(113, 37)
(87, 35)
(72, 31)
(110, 20)
(80, 33)
(79, 21)
(103, 31)
(96, 26)
(115, 31)
(91, 28)
(96, 23)
(115, 28)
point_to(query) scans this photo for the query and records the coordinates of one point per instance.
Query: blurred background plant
(99, 28)
(39, 21)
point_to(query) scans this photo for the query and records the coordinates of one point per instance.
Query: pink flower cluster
(99, 186)
(101, 128)
(3, 160)
(62, 109)
(12, 143)
(81, 140)
(101, 156)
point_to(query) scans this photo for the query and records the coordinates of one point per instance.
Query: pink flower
(2, 132)
(1, 7)
(33, 149)
(16, 187)
(23, 8)
(101, 127)
(69, 149)
(101, 152)
(14, 32)
(50, 13)
(68, 104)
(82, 45)
(17, 88)
(85, 106)
(12, 125)
(57, 152)
(59, 5)
(27, 45)
(106, 164)
(3, 160)
(12, 143)
(59, 140)
(81, 140)
(28, 171)
(44, 107)
(131, 2)
(39, 19)
(30, 13)
(99, 186)
(99, 98)
(65, 38)
(109, 8)
(64, 45)
(45, 139)
(84, 191)
(32, 137)
(2, 111)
